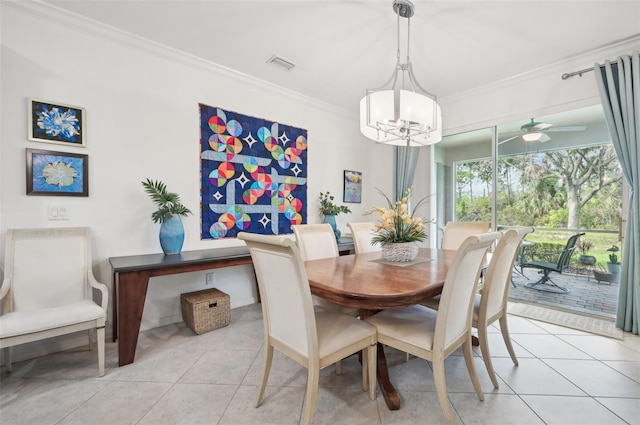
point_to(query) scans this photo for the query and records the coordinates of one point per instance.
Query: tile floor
(565, 377)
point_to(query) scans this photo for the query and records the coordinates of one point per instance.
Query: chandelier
(401, 112)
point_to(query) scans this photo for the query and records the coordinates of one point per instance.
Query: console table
(131, 277)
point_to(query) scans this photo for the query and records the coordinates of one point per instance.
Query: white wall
(536, 93)
(141, 105)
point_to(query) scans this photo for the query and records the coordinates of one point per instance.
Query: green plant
(397, 223)
(327, 207)
(168, 203)
(584, 245)
(613, 257)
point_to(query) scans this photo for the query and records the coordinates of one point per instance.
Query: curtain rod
(568, 75)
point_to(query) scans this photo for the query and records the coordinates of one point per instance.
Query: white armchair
(48, 288)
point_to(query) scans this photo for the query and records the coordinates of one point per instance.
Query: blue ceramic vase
(172, 235)
(331, 219)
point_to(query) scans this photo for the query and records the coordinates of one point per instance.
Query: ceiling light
(532, 137)
(401, 112)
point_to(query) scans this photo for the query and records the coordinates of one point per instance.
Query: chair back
(315, 241)
(455, 232)
(362, 234)
(454, 312)
(567, 253)
(285, 294)
(498, 276)
(47, 267)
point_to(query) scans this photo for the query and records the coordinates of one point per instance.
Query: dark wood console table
(131, 277)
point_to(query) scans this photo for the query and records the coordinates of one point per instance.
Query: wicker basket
(205, 310)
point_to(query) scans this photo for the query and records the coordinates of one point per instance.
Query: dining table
(369, 282)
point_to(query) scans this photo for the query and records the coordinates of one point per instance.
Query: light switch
(57, 212)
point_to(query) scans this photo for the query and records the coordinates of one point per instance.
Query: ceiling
(341, 48)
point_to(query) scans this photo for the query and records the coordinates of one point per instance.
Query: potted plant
(168, 214)
(329, 210)
(584, 245)
(398, 229)
(603, 275)
(614, 265)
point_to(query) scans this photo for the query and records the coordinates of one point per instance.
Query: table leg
(132, 290)
(390, 394)
(114, 313)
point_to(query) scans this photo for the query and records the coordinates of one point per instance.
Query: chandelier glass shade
(401, 112)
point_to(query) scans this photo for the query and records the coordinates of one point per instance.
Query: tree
(583, 172)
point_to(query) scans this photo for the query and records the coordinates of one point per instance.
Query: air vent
(281, 62)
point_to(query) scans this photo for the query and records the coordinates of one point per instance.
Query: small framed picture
(57, 123)
(57, 173)
(352, 186)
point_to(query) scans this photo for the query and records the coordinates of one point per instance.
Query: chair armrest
(102, 288)
(4, 289)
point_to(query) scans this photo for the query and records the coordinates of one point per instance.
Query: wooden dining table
(368, 282)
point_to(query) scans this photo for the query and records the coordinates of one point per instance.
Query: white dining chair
(455, 232)
(317, 241)
(362, 233)
(48, 289)
(491, 304)
(433, 335)
(313, 338)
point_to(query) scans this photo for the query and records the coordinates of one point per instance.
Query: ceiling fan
(535, 131)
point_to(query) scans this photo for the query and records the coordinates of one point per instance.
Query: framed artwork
(253, 174)
(57, 123)
(52, 173)
(352, 186)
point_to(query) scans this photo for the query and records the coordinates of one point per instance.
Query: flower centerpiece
(329, 210)
(398, 229)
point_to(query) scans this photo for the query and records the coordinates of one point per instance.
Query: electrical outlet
(209, 279)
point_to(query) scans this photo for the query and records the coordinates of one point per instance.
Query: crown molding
(577, 62)
(82, 24)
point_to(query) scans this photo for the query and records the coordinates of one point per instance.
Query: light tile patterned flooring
(565, 377)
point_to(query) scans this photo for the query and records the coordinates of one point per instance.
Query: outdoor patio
(585, 294)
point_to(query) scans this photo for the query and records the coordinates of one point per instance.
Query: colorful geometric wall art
(253, 174)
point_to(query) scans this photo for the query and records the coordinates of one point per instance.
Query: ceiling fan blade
(544, 138)
(567, 128)
(509, 139)
(540, 126)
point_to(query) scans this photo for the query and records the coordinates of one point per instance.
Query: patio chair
(546, 267)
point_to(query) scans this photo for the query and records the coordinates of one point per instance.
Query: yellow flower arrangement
(396, 224)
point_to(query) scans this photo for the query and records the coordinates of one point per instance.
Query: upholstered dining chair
(317, 241)
(455, 232)
(434, 335)
(491, 304)
(362, 233)
(315, 338)
(48, 288)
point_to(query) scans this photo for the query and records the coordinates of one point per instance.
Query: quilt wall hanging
(253, 174)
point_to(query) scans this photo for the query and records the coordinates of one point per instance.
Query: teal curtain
(406, 159)
(619, 86)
